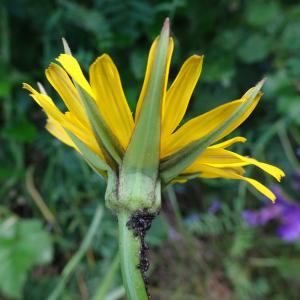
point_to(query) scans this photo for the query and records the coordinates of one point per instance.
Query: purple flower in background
(261, 217)
(290, 231)
(284, 211)
(214, 207)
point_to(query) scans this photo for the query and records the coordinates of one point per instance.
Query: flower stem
(129, 249)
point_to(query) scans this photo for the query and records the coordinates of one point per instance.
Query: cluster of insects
(140, 222)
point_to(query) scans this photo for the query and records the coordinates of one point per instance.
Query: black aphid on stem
(140, 222)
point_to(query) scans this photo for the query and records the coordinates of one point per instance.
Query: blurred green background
(201, 247)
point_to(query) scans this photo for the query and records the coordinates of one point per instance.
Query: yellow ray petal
(84, 133)
(228, 143)
(270, 169)
(72, 67)
(149, 70)
(205, 123)
(147, 76)
(110, 98)
(58, 131)
(197, 127)
(231, 174)
(67, 91)
(260, 187)
(67, 120)
(216, 157)
(46, 103)
(221, 158)
(204, 173)
(243, 160)
(179, 94)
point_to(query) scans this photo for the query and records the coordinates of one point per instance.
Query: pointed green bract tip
(166, 26)
(41, 88)
(261, 83)
(66, 46)
(139, 185)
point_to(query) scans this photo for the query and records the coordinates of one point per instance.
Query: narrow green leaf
(66, 46)
(105, 138)
(142, 154)
(173, 165)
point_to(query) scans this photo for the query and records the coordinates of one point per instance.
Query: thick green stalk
(129, 250)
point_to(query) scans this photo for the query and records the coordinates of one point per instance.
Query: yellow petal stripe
(58, 131)
(228, 143)
(149, 70)
(179, 94)
(109, 96)
(67, 91)
(207, 173)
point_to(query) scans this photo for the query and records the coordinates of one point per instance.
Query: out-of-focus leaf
(6, 172)
(90, 20)
(158, 233)
(293, 66)
(22, 131)
(5, 87)
(254, 49)
(289, 267)
(289, 104)
(170, 5)
(219, 69)
(137, 63)
(290, 37)
(262, 13)
(276, 83)
(229, 39)
(23, 244)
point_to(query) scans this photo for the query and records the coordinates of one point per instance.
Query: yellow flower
(105, 88)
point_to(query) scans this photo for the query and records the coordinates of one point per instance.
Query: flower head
(100, 126)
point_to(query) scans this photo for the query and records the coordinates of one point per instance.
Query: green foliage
(23, 131)
(243, 42)
(23, 244)
(158, 233)
(254, 49)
